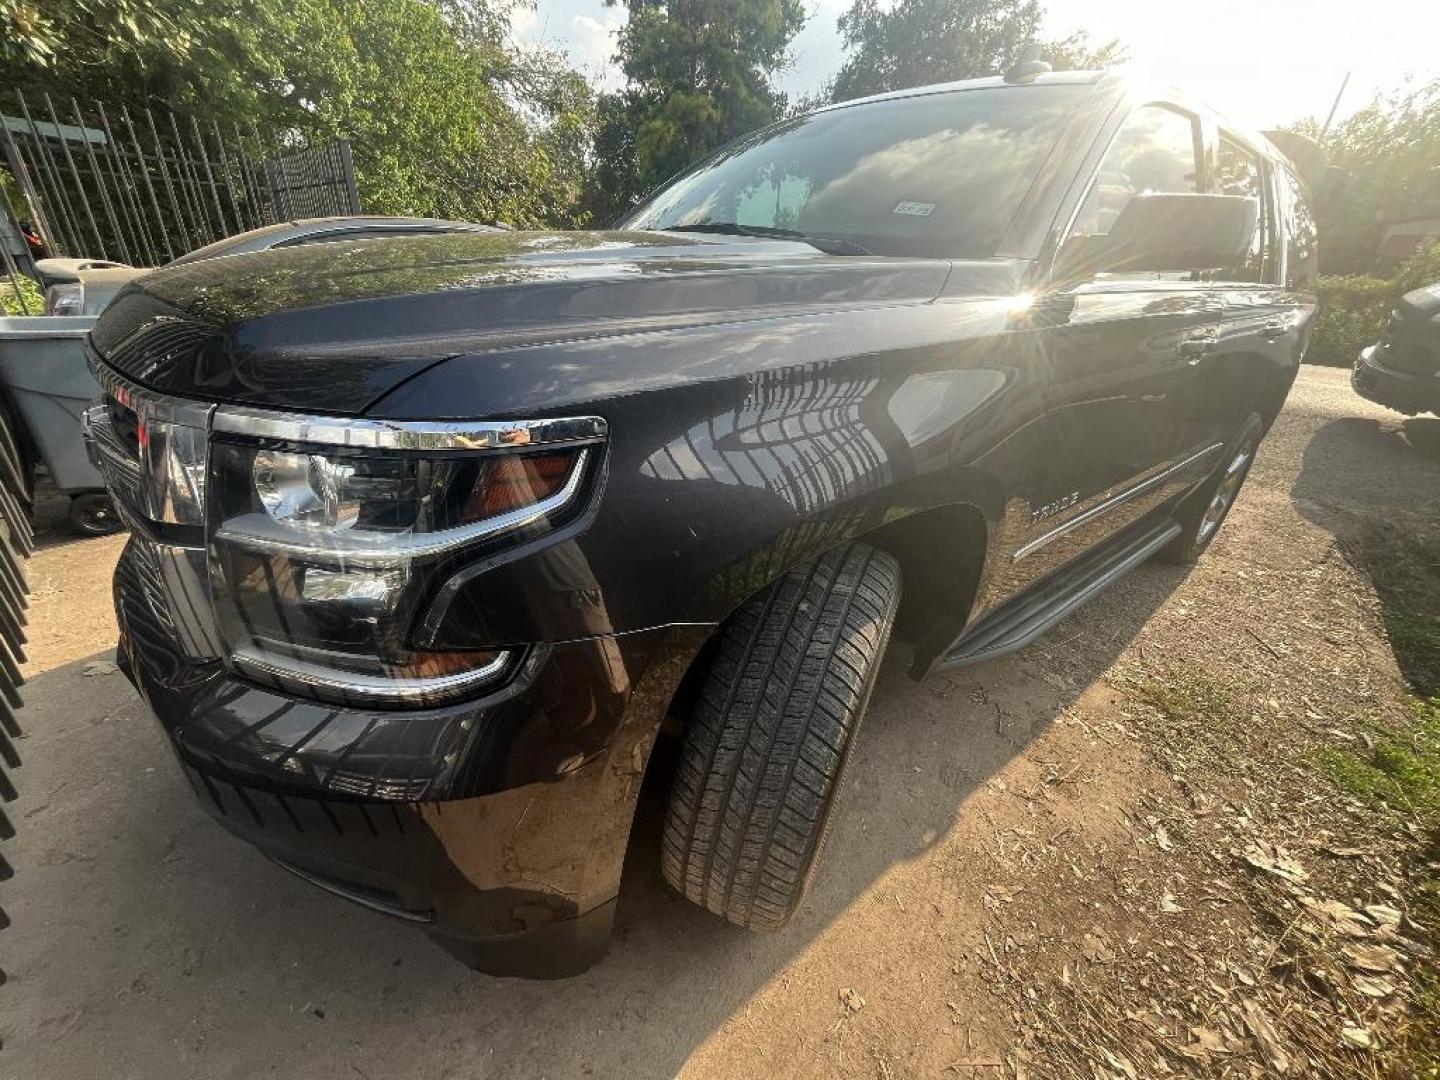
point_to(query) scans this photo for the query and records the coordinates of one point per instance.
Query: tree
(919, 42)
(1076, 52)
(32, 32)
(444, 117)
(698, 75)
(1387, 153)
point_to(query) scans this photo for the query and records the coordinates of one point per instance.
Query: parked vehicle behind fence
(431, 535)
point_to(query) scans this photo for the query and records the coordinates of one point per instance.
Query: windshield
(939, 175)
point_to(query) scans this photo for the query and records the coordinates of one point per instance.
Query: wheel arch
(942, 553)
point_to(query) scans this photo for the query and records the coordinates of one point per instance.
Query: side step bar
(1024, 619)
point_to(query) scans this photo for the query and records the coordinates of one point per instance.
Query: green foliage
(699, 75)
(1354, 307)
(15, 301)
(1077, 52)
(1387, 152)
(918, 42)
(43, 34)
(444, 117)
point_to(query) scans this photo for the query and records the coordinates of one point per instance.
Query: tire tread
(765, 749)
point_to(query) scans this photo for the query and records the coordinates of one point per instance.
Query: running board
(1023, 620)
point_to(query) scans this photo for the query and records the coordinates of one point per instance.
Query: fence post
(18, 169)
(129, 192)
(145, 176)
(175, 210)
(75, 175)
(100, 184)
(229, 178)
(46, 168)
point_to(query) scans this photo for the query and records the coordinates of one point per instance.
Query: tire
(93, 514)
(1206, 508)
(765, 751)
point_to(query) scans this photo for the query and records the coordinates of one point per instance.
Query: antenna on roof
(1028, 66)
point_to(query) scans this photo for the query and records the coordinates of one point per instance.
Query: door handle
(1275, 328)
(1196, 346)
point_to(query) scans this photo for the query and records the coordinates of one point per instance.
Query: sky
(1261, 63)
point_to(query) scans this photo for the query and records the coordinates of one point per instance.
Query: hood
(333, 327)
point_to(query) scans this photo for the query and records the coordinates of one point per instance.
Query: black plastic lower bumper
(498, 825)
(1398, 390)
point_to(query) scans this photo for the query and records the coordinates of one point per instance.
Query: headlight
(66, 299)
(322, 557)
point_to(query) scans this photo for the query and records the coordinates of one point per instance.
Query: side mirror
(1165, 234)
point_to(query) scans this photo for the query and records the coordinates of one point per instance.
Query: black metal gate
(319, 182)
(143, 189)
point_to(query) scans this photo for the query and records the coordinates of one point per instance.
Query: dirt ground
(1109, 855)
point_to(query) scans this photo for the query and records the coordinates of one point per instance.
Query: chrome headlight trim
(363, 434)
(369, 689)
(262, 533)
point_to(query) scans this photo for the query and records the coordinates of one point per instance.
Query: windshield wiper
(830, 245)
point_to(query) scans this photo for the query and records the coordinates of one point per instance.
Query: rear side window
(1239, 171)
(1153, 153)
(1302, 248)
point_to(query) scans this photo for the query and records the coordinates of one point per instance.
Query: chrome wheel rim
(1225, 493)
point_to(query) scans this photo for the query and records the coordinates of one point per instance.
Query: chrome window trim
(380, 549)
(372, 689)
(1197, 125)
(1112, 502)
(365, 434)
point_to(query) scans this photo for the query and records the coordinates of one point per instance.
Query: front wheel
(1205, 509)
(765, 751)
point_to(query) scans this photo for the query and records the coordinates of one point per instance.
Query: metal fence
(145, 188)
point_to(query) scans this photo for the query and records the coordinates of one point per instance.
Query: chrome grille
(119, 467)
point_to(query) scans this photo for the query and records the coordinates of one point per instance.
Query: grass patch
(1185, 698)
(1199, 718)
(1404, 564)
(1402, 767)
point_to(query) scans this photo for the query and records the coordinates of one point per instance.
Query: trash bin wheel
(93, 514)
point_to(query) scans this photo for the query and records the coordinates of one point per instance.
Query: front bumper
(498, 825)
(1398, 390)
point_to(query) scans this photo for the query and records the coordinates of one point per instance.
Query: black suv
(431, 534)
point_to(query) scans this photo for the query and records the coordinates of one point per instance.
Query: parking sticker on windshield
(914, 209)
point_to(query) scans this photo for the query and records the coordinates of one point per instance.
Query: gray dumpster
(48, 386)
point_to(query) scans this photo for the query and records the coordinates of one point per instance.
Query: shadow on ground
(148, 942)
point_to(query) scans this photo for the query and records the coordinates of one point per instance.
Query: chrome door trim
(1116, 500)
